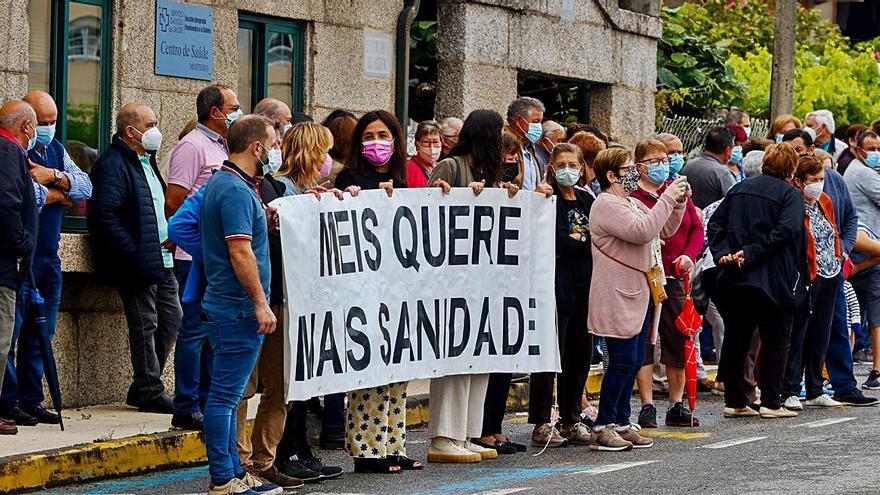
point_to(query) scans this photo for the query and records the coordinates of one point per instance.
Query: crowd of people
(785, 225)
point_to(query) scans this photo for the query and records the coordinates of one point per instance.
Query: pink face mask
(326, 166)
(378, 152)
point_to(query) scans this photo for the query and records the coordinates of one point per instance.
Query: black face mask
(509, 171)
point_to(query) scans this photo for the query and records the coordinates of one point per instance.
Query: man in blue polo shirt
(235, 248)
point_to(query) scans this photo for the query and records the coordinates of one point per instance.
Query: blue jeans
(236, 345)
(23, 385)
(192, 355)
(625, 358)
(839, 358)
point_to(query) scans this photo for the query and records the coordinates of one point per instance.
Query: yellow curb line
(126, 456)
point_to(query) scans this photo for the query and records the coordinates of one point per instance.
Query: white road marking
(504, 491)
(731, 443)
(823, 422)
(610, 468)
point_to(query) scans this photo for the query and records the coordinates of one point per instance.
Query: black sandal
(405, 463)
(375, 466)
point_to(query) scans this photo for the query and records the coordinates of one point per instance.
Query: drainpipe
(401, 85)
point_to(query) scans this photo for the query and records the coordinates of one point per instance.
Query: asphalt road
(821, 451)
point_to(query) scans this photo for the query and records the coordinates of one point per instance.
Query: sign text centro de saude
(184, 40)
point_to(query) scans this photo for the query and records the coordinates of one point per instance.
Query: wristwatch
(58, 176)
(583, 238)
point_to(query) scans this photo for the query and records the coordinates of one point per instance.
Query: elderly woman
(756, 237)
(812, 329)
(781, 125)
(626, 244)
(679, 252)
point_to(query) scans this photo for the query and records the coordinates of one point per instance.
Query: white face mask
(151, 140)
(814, 190)
(274, 162)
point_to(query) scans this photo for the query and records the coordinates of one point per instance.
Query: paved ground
(822, 451)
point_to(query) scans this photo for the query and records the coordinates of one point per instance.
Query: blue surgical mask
(232, 117)
(872, 159)
(534, 133)
(286, 128)
(676, 163)
(779, 138)
(32, 141)
(658, 173)
(45, 134)
(748, 131)
(567, 177)
(737, 156)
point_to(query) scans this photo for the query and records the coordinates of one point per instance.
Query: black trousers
(295, 439)
(576, 352)
(495, 404)
(809, 340)
(744, 309)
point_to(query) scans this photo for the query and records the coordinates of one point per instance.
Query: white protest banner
(382, 290)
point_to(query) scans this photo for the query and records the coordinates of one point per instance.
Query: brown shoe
(608, 440)
(276, 477)
(7, 427)
(631, 435)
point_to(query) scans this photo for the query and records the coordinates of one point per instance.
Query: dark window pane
(245, 67)
(280, 66)
(84, 83)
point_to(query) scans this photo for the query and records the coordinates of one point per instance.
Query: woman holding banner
(376, 417)
(574, 265)
(457, 401)
(626, 258)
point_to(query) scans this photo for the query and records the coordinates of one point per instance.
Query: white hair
(448, 123)
(753, 163)
(549, 127)
(823, 117)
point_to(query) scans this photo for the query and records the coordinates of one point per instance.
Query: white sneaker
(793, 403)
(483, 451)
(448, 450)
(821, 401)
(235, 486)
(782, 412)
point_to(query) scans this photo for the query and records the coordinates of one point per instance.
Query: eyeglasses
(655, 161)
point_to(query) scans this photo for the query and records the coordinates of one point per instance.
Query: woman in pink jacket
(626, 244)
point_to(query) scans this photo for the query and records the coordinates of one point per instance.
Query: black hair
(246, 130)
(480, 139)
(576, 128)
(793, 134)
(718, 139)
(357, 162)
(299, 118)
(208, 98)
(865, 135)
(335, 114)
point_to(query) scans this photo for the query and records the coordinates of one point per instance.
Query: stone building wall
(482, 44)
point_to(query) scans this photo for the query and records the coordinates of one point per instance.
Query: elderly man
(450, 128)
(129, 239)
(18, 220)
(193, 161)
(276, 110)
(62, 182)
(524, 116)
(551, 133)
(822, 123)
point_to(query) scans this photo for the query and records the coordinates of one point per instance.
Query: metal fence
(692, 130)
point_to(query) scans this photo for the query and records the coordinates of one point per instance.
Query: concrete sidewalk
(115, 440)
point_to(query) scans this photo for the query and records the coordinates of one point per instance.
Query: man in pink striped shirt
(193, 161)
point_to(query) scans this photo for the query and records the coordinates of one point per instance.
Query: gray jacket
(864, 187)
(709, 179)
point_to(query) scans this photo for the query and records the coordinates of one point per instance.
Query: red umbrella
(689, 323)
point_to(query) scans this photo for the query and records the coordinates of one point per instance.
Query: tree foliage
(718, 53)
